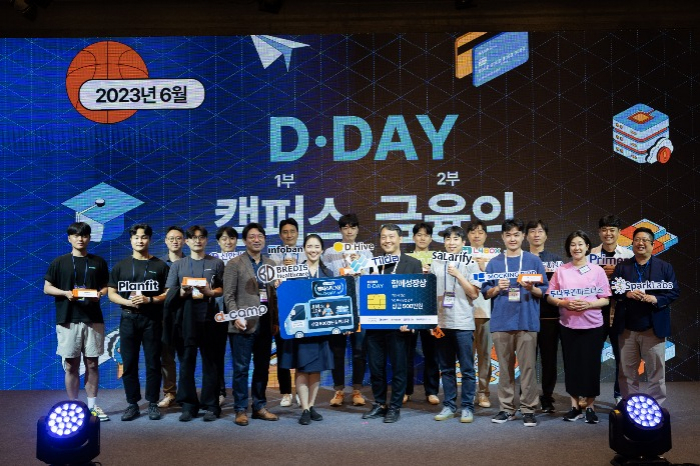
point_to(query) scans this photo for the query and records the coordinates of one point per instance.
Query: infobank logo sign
(107, 82)
(488, 55)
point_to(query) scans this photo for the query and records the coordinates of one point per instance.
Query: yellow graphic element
(464, 62)
(376, 301)
(338, 247)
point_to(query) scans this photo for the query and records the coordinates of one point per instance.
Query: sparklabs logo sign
(353, 139)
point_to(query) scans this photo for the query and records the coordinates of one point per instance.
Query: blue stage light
(69, 434)
(640, 431)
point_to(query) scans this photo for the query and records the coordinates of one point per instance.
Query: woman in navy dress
(309, 355)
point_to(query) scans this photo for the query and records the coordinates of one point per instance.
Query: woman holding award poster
(309, 355)
(580, 289)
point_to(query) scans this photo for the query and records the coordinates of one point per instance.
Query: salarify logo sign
(108, 82)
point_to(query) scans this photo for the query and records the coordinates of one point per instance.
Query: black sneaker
(210, 416)
(502, 417)
(529, 420)
(153, 411)
(591, 416)
(131, 412)
(315, 416)
(305, 418)
(573, 414)
(186, 416)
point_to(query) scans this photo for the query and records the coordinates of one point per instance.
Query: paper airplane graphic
(270, 48)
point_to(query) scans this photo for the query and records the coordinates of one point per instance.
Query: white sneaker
(286, 400)
(445, 414)
(222, 398)
(101, 415)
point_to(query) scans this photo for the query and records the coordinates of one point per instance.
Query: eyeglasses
(198, 238)
(173, 239)
(642, 240)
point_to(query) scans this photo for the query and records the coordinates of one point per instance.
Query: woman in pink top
(583, 289)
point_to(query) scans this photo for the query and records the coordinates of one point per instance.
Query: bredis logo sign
(107, 82)
(353, 138)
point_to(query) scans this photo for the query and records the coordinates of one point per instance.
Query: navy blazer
(661, 312)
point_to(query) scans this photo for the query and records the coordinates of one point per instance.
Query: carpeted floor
(343, 437)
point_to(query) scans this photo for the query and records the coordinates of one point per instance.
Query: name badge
(263, 295)
(449, 299)
(514, 294)
(584, 269)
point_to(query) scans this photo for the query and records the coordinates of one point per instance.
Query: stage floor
(343, 437)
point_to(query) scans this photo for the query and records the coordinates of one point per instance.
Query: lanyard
(256, 267)
(75, 272)
(133, 270)
(640, 273)
(454, 284)
(505, 259)
(393, 271)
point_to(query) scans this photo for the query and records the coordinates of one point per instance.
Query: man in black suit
(393, 344)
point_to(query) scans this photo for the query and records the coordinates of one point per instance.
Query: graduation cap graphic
(103, 208)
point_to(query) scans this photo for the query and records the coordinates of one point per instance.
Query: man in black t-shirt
(137, 284)
(195, 326)
(77, 281)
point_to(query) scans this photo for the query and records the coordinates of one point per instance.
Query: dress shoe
(241, 418)
(186, 416)
(433, 400)
(265, 415)
(376, 411)
(392, 415)
(131, 412)
(305, 418)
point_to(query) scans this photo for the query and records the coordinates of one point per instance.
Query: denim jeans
(457, 345)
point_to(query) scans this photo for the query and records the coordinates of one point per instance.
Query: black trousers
(431, 369)
(209, 336)
(391, 344)
(609, 332)
(338, 345)
(284, 376)
(548, 347)
(136, 330)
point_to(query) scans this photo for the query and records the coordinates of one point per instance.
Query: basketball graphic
(103, 60)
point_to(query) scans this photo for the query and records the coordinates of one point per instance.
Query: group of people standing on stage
(168, 306)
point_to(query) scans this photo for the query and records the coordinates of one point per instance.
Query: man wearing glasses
(174, 240)
(192, 309)
(609, 254)
(643, 315)
(250, 337)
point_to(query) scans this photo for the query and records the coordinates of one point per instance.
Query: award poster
(316, 307)
(391, 301)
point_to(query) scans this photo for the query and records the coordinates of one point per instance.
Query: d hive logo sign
(107, 82)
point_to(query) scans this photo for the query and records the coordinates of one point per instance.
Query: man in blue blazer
(644, 287)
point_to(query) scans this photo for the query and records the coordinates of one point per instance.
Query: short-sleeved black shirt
(132, 273)
(67, 272)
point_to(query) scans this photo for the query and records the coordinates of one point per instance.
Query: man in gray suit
(252, 336)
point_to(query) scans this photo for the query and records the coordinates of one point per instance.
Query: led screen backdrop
(443, 128)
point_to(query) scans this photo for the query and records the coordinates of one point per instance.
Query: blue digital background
(542, 132)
